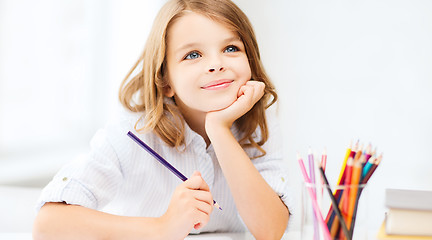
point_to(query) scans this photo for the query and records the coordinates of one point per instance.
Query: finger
(203, 196)
(196, 182)
(258, 89)
(196, 173)
(201, 219)
(250, 82)
(246, 90)
(204, 206)
(241, 91)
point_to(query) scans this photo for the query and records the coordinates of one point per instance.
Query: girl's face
(206, 64)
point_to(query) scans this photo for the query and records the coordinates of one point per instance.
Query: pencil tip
(217, 205)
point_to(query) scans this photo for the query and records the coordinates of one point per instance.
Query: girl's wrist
(212, 122)
(216, 130)
(153, 228)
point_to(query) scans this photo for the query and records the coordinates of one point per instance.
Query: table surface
(205, 236)
(16, 223)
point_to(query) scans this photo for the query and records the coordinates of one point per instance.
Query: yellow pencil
(347, 154)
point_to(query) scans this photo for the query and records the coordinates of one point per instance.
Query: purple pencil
(312, 180)
(162, 161)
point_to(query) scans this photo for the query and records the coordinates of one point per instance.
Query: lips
(218, 84)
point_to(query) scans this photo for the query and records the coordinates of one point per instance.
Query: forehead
(195, 26)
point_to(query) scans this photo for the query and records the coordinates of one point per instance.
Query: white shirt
(120, 177)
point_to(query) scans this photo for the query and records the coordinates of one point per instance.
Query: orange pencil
(358, 153)
(343, 202)
(355, 179)
(334, 230)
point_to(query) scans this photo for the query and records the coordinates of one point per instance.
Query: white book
(408, 199)
(409, 212)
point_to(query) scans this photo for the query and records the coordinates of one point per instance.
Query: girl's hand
(190, 207)
(247, 96)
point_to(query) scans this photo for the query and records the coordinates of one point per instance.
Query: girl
(197, 95)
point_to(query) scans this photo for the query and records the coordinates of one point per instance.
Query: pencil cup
(352, 202)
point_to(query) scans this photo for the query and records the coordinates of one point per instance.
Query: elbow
(275, 231)
(43, 226)
(39, 230)
(270, 234)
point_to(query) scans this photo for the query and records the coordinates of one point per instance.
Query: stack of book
(409, 215)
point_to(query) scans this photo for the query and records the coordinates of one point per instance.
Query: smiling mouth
(216, 85)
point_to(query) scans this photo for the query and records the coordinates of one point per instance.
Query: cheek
(244, 69)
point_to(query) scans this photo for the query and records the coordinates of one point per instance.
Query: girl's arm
(263, 212)
(190, 207)
(63, 221)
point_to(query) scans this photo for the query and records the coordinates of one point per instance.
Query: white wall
(345, 70)
(349, 70)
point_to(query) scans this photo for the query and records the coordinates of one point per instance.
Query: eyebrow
(193, 44)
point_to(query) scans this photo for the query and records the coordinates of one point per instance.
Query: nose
(213, 69)
(215, 63)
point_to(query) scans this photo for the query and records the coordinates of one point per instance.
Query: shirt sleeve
(90, 181)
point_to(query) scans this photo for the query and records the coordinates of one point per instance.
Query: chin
(221, 105)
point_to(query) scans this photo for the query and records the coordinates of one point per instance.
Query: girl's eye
(192, 55)
(231, 49)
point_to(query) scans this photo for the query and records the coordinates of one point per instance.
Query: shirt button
(65, 179)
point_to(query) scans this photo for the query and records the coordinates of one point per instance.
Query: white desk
(237, 236)
(206, 236)
(17, 215)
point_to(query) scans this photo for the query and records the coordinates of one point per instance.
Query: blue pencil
(162, 161)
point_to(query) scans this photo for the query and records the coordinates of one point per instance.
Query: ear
(168, 91)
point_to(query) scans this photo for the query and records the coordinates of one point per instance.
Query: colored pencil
(355, 179)
(358, 167)
(315, 206)
(362, 186)
(334, 203)
(341, 196)
(312, 180)
(311, 167)
(324, 159)
(323, 164)
(345, 194)
(367, 166)
(347, 154)
(368, 153)
(162, 161)
(372, 169)
(331, 215)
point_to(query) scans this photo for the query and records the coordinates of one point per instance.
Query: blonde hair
(144, 92)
